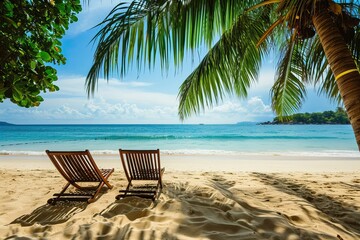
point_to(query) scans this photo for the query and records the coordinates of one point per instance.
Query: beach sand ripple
(192, 205)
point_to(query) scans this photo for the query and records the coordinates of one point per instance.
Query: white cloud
(234, 110)
(126, 102)
(229, 107)
(130, 112)
(114, 102)
(74, 87)
(67, 111)
(253, 105)
(135, 84)
(256, 105)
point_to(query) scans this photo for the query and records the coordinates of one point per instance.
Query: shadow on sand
(51, 214)
(131, 207)
(338, 211)
(217, 210)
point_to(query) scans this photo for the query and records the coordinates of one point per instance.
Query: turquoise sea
(249, 138)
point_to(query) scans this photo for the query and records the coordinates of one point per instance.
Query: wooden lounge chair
(142, 165)
(79, 167)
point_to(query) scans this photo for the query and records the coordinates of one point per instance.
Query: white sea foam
(104, 152)
(335, 153)
(31, 153)
(328, 153)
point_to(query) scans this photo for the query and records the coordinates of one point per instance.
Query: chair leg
(125, 193)
(107, 183)
(101, 184)
(78, 186)
(128, 187)
(105, 179)
(52, 201)
(93, 198)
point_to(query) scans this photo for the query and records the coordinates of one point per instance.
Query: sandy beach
(204, 197)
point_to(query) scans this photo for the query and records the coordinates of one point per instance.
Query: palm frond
(320, 74)
(298, 12)
(289, 90)
(269, 31)
(355, 44)
(262, 4)
(146, 30)
(229, 68)
(328, 87)
(124, 23)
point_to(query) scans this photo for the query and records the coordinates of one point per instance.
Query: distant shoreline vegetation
(327, 117)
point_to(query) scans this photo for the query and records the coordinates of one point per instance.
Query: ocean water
(249, 138)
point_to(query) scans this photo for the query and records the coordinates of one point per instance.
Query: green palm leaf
(320, 75)
(147, 30)
(355, 45)
(289, 90)
(229, 67)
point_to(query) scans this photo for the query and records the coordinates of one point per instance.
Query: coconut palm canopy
(317, 43)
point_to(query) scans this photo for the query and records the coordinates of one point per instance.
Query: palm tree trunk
(342, 65)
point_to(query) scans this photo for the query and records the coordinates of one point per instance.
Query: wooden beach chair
(144, 167)
(79, 167)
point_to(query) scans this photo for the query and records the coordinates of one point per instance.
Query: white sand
(204, 197)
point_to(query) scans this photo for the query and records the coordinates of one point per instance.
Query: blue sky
(142, 97)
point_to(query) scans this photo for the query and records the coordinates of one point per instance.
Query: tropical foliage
(307, 36)
(30, 33)
(326, 117)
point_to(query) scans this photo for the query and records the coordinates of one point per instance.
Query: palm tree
(308, 36)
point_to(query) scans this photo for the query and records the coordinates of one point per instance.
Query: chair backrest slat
(147, 165)
(131, 161)
(141, 164)
(68, 165)
(75, 166)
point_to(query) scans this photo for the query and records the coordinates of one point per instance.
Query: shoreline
(207, 162)
(319, 153)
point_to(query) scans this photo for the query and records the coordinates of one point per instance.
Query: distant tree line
(327, 117)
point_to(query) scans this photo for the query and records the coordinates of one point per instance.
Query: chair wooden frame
(79, 167)
(143, 165)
